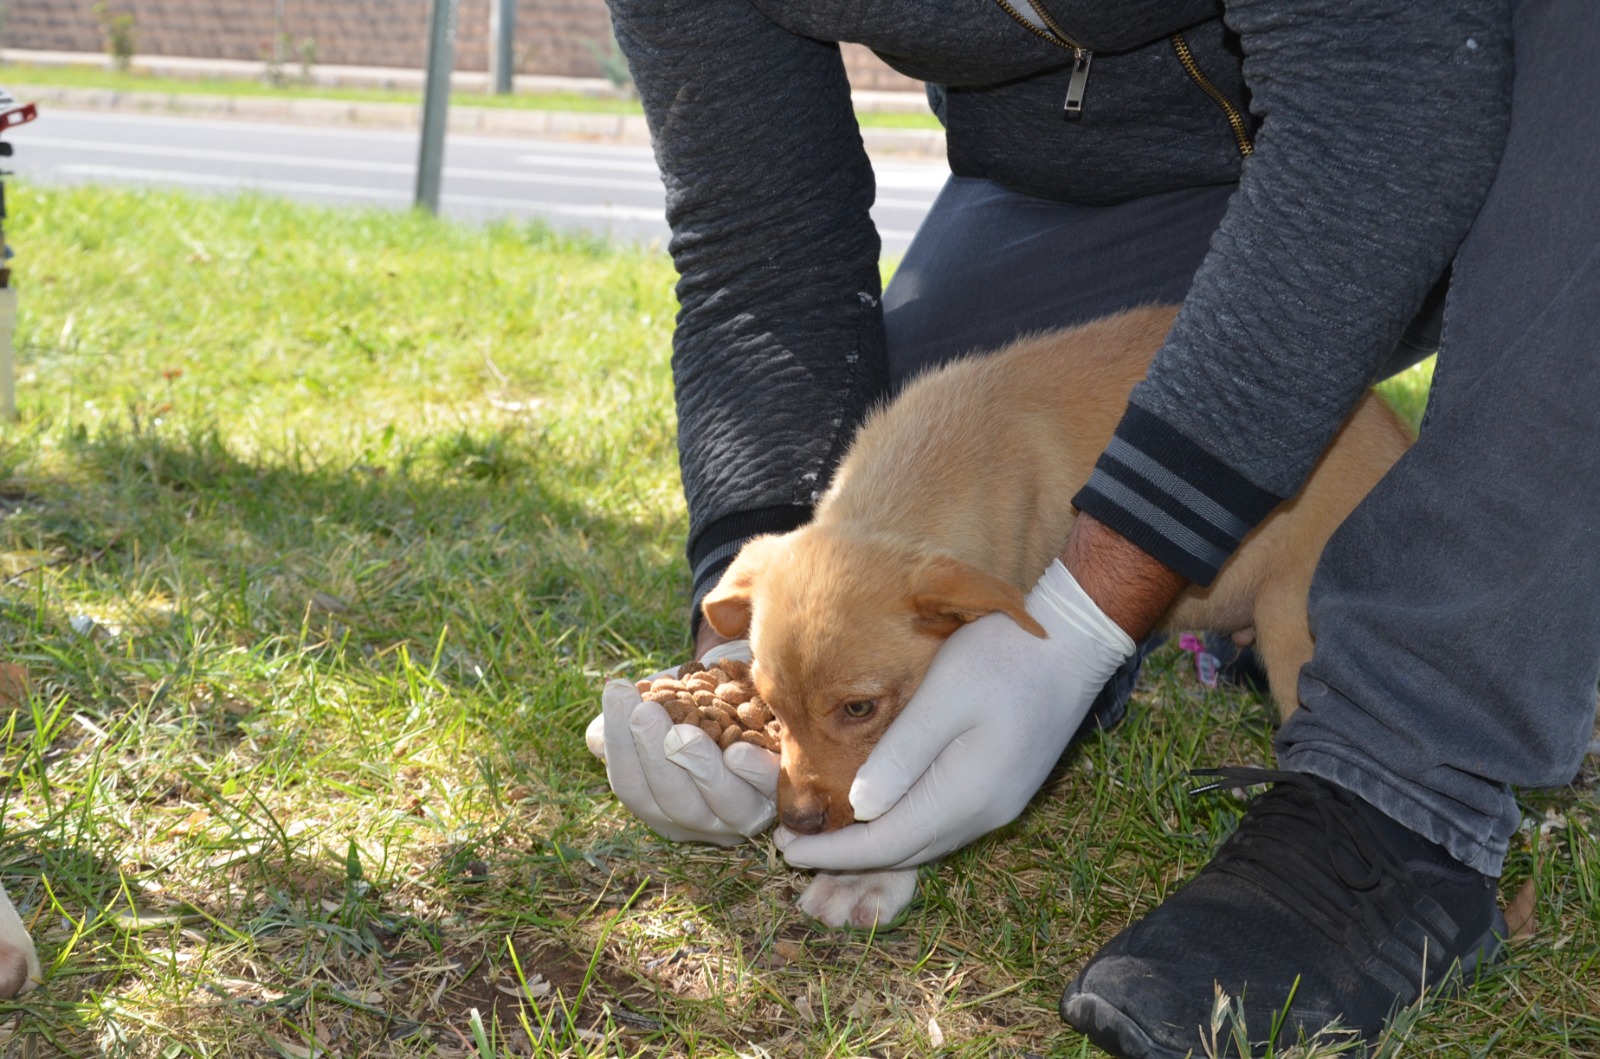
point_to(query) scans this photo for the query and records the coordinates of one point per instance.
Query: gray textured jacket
(1377, 125)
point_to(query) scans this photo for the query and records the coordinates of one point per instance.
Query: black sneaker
(1319, 909)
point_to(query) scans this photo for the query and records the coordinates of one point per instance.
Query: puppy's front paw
(19, 961)
(15, 975)
(862, 900)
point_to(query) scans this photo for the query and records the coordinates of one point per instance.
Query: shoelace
(1318, 852)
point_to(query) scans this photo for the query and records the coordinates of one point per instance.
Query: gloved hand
(674, 777)
(991, 718)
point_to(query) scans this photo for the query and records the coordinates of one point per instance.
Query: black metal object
(12, 114)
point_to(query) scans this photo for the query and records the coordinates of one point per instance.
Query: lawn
(16, 76)
(321, 530)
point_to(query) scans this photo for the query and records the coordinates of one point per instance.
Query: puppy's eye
(860, 710)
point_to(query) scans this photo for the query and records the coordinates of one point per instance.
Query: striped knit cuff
(1170, 497)
(714, 547)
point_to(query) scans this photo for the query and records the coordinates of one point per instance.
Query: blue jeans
(989, 265)
(1457, 611)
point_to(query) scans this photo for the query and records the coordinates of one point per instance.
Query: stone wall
(559, 37)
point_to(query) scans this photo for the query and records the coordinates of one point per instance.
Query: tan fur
(950, 504)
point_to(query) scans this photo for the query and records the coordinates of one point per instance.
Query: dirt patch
(548, 989)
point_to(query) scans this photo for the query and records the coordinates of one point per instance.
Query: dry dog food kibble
(720, 700)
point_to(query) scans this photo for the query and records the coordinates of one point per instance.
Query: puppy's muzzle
(808, 819)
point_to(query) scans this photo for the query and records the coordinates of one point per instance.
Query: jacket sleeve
(1382, 123)
(779, 346)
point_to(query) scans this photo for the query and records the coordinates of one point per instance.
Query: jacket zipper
(1072, 107)
(1236, 122)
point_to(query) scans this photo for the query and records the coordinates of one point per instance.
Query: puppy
(19, 961)
(948, 506)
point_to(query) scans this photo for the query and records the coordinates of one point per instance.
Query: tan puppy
(950, 504)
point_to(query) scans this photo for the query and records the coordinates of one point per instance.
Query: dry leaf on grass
(292, 1050)
(1520, 919)
(328, 603)
(788, 949)
(13, 685)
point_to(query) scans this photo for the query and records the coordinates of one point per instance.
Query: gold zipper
(1072, 107)
(1241, 132)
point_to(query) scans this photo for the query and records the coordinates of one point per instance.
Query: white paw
(595, 736)
(19, 962)
(861, 900)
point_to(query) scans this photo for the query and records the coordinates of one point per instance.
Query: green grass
(17, 76)
(363, 507)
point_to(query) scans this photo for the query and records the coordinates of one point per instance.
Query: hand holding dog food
(674, 776)
(720, 699)
(991, 718)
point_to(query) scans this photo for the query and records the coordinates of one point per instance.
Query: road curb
(628, 129)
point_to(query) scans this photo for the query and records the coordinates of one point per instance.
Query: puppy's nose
(805, 819)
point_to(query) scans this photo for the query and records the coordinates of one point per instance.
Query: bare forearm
(706, 639)
(1132, 588)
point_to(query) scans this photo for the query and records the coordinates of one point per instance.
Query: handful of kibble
(719, 699)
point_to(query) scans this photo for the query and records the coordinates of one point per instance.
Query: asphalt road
(606, 189)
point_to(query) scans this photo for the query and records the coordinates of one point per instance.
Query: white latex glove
(991, 718)
(674, 777)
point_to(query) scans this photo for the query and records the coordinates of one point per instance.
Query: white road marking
(211, 154)
(605, 211)
(648, 166)
(405, 169)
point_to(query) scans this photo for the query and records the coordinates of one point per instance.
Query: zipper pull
(1072, 109)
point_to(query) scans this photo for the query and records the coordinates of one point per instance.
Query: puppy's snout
(805, 819)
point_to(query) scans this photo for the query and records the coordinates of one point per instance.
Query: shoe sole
(1112, 1031)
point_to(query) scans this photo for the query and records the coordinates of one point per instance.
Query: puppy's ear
(727, 606)
(947, 593)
